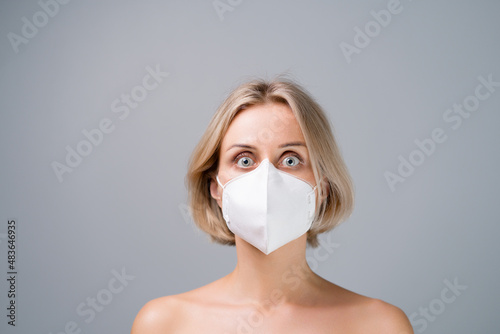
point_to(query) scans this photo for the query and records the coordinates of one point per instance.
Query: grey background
(124, 205)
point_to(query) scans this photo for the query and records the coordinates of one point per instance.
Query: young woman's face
(259, 132)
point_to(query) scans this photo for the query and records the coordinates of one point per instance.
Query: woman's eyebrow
(298, 143)
(241, 146)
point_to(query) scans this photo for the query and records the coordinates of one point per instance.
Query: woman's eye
(245, 162)
(291, 161)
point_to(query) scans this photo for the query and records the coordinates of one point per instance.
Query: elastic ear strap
(311, 204)
(314, 188)
(225, 203)
(218, 181)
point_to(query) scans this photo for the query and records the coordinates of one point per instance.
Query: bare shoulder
(157, 316)
(372, 315)
(170, 314)
(383, 317)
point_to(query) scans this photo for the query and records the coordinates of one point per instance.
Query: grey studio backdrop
(102, 103)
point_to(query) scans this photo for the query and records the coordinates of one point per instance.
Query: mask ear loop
(225, 202)
(218, 181)
(320, 216)
(311, 202)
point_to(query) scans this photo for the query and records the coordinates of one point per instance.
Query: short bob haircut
(336, 195)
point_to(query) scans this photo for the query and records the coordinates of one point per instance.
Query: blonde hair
(329, 168)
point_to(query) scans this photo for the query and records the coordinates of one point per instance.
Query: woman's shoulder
(372, 315)
(384, 317)
(157, 316)
(163, 314)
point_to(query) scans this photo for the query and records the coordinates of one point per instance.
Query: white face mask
(268, 208)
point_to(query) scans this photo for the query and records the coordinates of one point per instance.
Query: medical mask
(268, 208)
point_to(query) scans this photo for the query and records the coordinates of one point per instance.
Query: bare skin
(275, 293)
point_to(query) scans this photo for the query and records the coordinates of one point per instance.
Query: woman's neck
(280, 277)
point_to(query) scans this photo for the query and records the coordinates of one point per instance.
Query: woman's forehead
(263, 124)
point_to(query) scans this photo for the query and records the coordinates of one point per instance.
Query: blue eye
(245, 162)
(291, 161)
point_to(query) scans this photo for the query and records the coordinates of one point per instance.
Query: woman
(267, 177)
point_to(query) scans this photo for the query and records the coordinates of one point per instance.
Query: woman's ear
(325, 187)
(215, 191)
